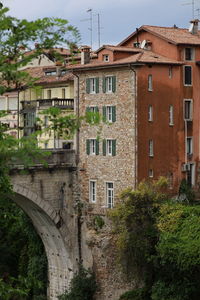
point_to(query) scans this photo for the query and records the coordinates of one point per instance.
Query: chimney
(85, 55)
(194, 26)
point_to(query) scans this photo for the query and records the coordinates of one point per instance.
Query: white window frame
(171, 115)
(109, 204)
(109, 147)
(187, 84)
(150, 83)
(93, 191)
(192, 54)
(109, 113)
(189, 145)
(109, 84)
(189, 116)
(93, 85)
(150, 113)
(170, 72)
(150, 173)
(106, 58)
(92, 146)
(151, 152)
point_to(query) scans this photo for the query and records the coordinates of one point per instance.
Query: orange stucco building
(152, 80)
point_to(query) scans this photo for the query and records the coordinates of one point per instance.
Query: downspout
(135, 131)
(18, 115)
(79, 206)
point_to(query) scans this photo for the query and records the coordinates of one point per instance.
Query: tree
(17, 36)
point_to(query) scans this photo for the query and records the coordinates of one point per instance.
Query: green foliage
(83, 286)
(98, 222)
(137, 294)
(134, 227)
(186, 194)
(19, 35)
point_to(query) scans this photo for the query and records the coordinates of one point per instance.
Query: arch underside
(45, 221)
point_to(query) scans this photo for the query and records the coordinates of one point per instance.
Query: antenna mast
(90, 28)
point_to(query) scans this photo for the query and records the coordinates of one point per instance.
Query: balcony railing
(56, 102)
(44, 103)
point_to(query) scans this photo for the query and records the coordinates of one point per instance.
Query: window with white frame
(92, 147)
(48, 94)
(189, 54)
(106, 57)
(170, 72)
(171, 115)
(109, 147)
(92, 191)
(108, 84)
(109, 113)
(189, 145)
(150, 83)
(187, 75)
(110, 194)
(150, 173)
(150, 113)
(188, 109)
(151, 148)
(92, 86)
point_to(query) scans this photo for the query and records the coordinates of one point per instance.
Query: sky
(118, 18)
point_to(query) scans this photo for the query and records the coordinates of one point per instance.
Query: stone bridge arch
(48, 223)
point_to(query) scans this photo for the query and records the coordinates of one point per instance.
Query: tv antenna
(192, 3)
(89, 10)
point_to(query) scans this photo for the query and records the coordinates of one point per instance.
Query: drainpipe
(78, 130)
(18, 115)
(135, 131)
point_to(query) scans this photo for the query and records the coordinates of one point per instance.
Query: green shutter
(87, 85)
(97, 84)
(104, 147)
(104, 113)
(88, 147)
(104, 84)
(96, 109)
(97, 147)
(87, 109)
(113, 147)
(114, 113)
(113, 84)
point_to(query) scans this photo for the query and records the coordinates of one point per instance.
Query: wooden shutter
(88, 147)
(104, 147)
(87, 109)
(104, 113)
(114, 113)
(96, 109)
(97, 147)
(87, 85)
(113, 84)
(97, 84)
(104, 84)
(113, 147)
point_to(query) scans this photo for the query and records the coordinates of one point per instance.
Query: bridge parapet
(55, 158)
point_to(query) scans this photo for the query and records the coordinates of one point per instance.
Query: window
(92, 147)
(92, 114)
(63, 93)
(188, 110)
(189, 54)
(150, 173)
(170, 71)
(109, 84)
(150, 83)
(92, 85)
(50, 73)
(109, 147)
(150, 113)
(92, 191)
(12, 103)
(46, 145)
(187, 75)
(106, 58)
(189, 146)
(46, 121)
(93, 109)
(109, 113)
(48, 94)
(109, 194)
(171, 115)
(151, 148)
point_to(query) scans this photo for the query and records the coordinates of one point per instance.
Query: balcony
(56, 102)
(45, 103)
